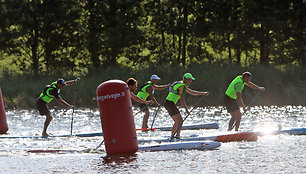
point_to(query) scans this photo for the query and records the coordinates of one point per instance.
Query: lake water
(270, 154)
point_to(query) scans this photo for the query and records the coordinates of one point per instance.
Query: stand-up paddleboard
(199, 145)
(55, 151)
(293, 131)
(188, 127)
(32, 137)
(66, 151)
(53, 136)
(241, 136)
(89, 134)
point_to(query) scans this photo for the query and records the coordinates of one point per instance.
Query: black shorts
(230, 104)
(42, 107)
(143, 107)
(171, 108)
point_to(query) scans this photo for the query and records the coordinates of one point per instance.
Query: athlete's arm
(137, 99)
(194, 92)
(70, 82)
(161, 87)
(254, 86)
(150, 91)
(183, 103)
(63, 102)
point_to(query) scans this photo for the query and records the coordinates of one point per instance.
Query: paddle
(74, 100)
(141, 110)
(180, 125)
(99, 145)
(154, 117)
(157, 112)
(145, 129)
(248, 106)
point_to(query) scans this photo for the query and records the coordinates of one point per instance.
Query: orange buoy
(3, 122)
(117, 119)
(241, 136)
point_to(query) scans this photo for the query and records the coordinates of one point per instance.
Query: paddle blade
(145, 129)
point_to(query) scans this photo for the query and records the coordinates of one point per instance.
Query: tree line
(75, 35)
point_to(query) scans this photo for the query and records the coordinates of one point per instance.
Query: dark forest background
(215, 40)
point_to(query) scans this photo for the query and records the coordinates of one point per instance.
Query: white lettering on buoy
(110, 96)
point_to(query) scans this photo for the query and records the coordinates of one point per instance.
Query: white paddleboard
(199, 145)
(293, 131)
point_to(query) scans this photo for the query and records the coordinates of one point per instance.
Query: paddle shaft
(141, 110)
(248, 106)
(74, 100)
(99, 145)
(180, 125)
(157, 112)
(155, 116)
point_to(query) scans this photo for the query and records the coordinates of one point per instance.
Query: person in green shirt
(147, 91)
(132, 84)
(177, 91)
(233, 95)
(52, 92)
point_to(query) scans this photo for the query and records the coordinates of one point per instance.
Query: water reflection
(117, 163)
(119, 159)
(270, 154)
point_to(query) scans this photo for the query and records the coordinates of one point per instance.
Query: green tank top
(174, 93)
(235, 86)
(46, 96)
(143, 94)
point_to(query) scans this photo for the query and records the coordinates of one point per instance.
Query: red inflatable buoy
(3, 122)
(117, 119)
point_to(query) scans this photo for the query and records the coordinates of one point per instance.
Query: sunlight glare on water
(270, 154)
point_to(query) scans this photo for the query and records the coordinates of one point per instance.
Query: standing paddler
(52, 92)
(147, 90)
(177, 91)
(233, 94)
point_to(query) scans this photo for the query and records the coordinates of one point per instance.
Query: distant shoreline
(283, 86)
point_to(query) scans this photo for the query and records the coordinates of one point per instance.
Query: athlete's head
(187, 78)
(60, 83)
(132, 83)
(246, 77)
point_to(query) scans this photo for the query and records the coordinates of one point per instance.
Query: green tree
(61, 33)
(41, 34)
(20, 32)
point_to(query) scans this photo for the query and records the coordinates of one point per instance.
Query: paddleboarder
(52, 92)
(147, 90)
(177, 91)
(233, 96)
(132, 84)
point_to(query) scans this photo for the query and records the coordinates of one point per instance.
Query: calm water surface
(270, 154)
